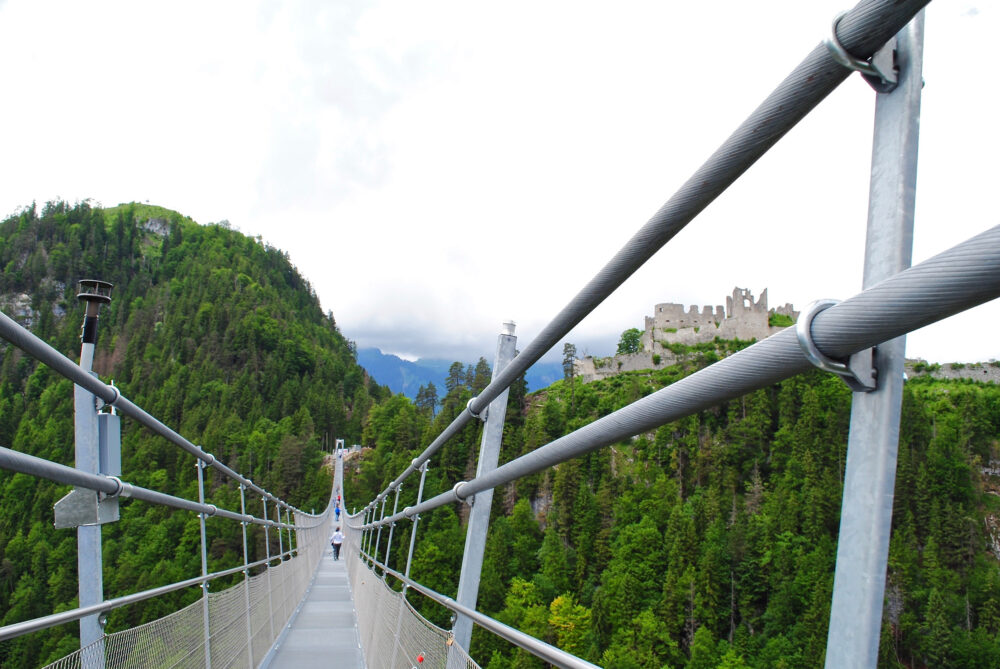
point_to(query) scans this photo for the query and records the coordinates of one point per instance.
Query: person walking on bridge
(336, 540)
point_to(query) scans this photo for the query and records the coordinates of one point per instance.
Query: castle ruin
(742, 318)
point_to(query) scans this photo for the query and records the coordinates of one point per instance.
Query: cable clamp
(124, 489)
(880, 71)
(858, 372)
(482, 415)
(456, 491)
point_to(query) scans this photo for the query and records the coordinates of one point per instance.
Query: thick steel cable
(113, 486)
(960, 278)
(25, 340)
(34, 466)
(862, 31)
(19, 629)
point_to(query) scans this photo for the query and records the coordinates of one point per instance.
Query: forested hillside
(215, 334)
(711, 541)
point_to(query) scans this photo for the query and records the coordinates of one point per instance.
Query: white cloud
(437, 168)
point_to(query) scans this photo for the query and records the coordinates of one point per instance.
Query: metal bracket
(858, 372)
(880, 71)
(85, 507)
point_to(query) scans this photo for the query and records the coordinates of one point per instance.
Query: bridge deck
(324, 631)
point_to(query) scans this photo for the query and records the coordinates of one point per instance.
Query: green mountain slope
(711, 541)
(215, 334)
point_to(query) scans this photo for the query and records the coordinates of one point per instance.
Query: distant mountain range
(404, 376)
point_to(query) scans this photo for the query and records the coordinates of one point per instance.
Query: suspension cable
(960, 278)
(862, 31)
(40, 350)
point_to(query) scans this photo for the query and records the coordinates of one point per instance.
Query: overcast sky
(435, 168)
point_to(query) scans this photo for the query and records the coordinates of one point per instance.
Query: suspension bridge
(301, 608)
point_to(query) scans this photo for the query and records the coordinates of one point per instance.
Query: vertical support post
(409, 558)
(370, 532)
(378, 535)
(392, 526)
(90, 568)
(873, 442)
(416, 520)
(246, 578)
(288, 522)
(267, 554)
(479, 515)
(204, 566)
(281, 545)
(364, 531)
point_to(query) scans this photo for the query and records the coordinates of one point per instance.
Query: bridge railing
(838, 338)
(234, 627)
(392, 633)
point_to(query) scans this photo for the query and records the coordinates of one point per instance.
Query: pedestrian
(336, 511)
(336, 540)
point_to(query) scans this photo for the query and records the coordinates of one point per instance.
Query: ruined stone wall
(590, 369)
(987, 372)
(742, 318)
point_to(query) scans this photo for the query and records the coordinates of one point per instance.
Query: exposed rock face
(158, 226)
(18, 307)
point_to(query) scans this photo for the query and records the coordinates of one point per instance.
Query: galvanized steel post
(392, 526)
(416, 519)
(246, 577)
(281, 545)
(267, 554)
(204, 566)
(479, 515)
(866, 514)
(378, 535)
(90, 568)
(364, 530)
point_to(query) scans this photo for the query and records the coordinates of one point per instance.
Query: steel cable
(953, 281)
(862, 31)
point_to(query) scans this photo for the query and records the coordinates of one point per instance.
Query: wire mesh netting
(393, 635)
(243, 620)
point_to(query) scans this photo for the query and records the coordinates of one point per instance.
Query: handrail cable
(112, 486)
(36, 624)
(536, 647)
(40, 350)
(957, 279)
(861, 31)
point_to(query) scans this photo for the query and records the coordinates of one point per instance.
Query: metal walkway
(324, 630)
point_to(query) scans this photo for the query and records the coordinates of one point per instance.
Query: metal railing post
(378, 535)
(479, 514)
(409, 558)
(416, 519)
(281, 545)
(370, 533)
(267, 554)
(364, 530)
(392, 526)
(204, 566)
(873, 441)
(246, 578)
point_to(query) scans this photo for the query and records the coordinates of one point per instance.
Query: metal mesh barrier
(244, 620)
(392, 633)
